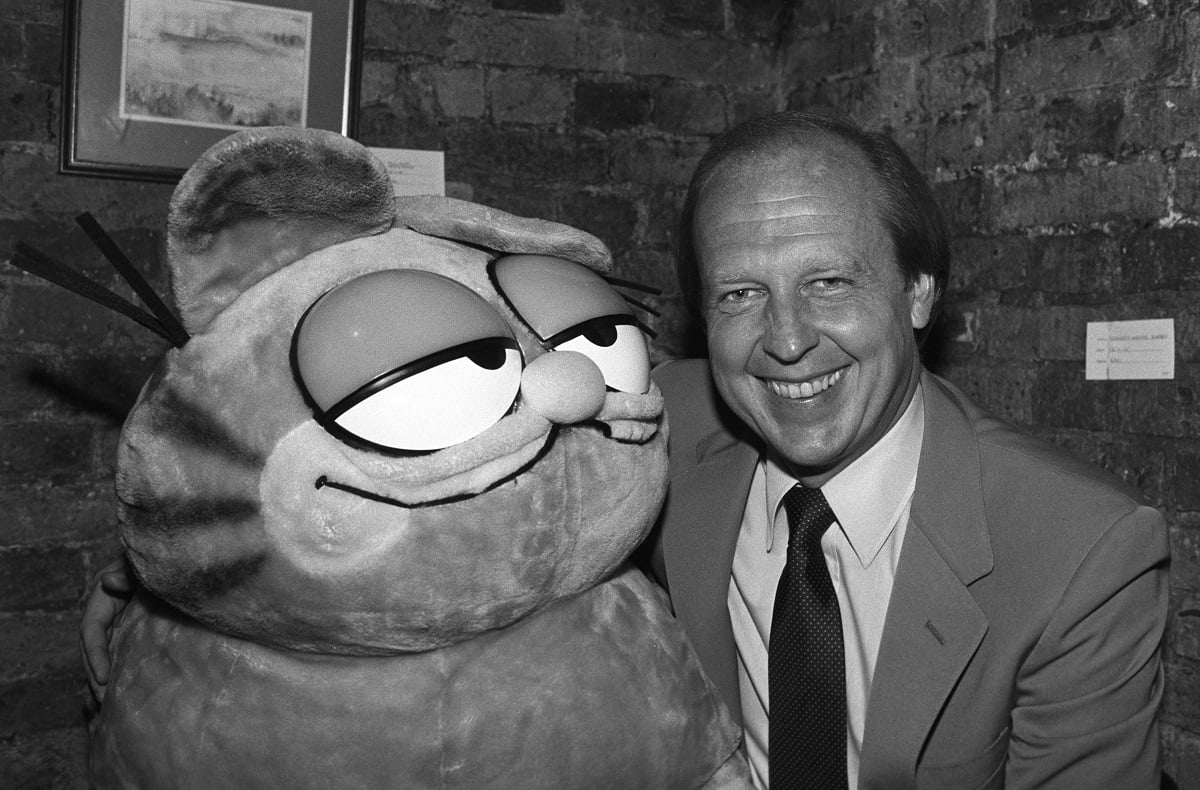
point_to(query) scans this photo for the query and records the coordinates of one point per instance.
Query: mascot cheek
(418, 577)
(322, 531)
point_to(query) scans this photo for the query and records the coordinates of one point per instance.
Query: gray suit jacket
(1021, 645)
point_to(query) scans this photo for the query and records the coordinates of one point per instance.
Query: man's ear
(924, 295)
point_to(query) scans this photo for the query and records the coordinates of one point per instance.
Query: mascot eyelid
(405, 360)
(433, 403)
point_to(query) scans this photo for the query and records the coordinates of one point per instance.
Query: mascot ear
(500, 231)
(261, 199)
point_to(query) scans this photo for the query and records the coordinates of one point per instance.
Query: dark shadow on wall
(691, 339)
(99, 387)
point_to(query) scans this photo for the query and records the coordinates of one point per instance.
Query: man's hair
(906, 204)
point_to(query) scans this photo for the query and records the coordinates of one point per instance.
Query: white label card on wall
(414, 172)
(1123, 350)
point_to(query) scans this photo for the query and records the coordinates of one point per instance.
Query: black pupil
(489, 357)
(602, 334)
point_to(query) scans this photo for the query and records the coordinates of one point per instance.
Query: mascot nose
(563, 386)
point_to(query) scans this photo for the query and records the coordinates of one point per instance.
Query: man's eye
(738, 295)
(735, 301)
(831, 283)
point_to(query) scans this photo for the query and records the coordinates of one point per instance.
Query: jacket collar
(948, 502)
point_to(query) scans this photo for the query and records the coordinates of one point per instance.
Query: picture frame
(149, 85)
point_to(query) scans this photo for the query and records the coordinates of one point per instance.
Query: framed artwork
(148, 85)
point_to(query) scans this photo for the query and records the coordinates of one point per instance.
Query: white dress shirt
(870, 499)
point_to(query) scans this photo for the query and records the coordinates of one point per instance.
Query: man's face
(809, 321)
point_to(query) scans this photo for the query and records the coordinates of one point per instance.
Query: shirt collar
(870, 495)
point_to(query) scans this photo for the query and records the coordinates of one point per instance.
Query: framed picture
(150, 84)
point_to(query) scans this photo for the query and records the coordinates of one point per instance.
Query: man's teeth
(805, 389)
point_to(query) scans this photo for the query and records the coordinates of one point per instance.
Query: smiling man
(954, 604)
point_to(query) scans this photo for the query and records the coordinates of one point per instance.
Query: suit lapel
(709, 501)
(933, 625)
(933, 628)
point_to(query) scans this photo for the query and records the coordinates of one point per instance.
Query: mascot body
(336, 601)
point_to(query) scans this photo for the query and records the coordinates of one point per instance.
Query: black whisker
(631, 284)
(42, 265)
(646, 329)
(177, 334)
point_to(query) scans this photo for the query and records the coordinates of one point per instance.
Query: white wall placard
(414, 172)
(1131, 349)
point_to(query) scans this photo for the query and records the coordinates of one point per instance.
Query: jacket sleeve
(1086, 699)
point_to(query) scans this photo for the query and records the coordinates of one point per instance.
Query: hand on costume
(108, 598)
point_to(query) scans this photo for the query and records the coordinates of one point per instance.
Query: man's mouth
(805, 389)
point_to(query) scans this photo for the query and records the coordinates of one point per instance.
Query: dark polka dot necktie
(806, 672)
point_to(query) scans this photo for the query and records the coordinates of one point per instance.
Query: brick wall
(68, 372)
(1061, 137)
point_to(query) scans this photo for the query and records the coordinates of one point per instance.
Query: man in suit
(1001, 604)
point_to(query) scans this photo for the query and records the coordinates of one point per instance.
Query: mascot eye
(618, 349)
(436, 407)
(571, 308)
(407, 360)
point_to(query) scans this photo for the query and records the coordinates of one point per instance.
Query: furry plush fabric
(261, 200)
(534, 705)
(323, 613)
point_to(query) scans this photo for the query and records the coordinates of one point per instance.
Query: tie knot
(808, 513)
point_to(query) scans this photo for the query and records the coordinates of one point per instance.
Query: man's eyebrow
(858, 266)
(853, 266)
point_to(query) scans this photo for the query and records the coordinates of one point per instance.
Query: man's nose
(563, 386)
(788, 335)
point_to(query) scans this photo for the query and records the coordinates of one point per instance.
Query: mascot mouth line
(324, 482)
(550, 437)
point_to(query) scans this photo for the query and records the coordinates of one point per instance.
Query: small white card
(1131, 349)
(414, 172)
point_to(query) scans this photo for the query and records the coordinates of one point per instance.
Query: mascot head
(394, 424)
